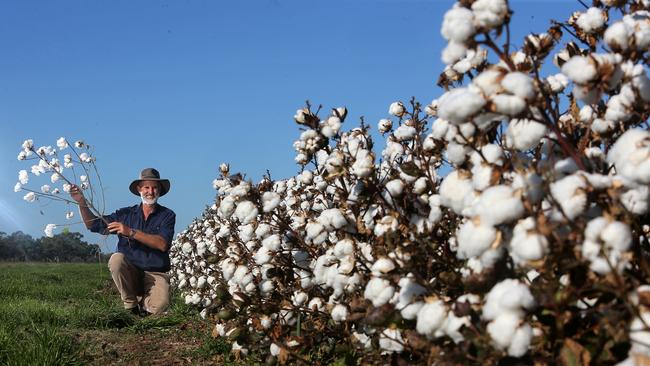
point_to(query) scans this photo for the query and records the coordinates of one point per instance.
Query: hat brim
(165, 185)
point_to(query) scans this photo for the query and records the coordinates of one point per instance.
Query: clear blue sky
(185, 85)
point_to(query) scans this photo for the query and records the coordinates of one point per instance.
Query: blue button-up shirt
(160, 222)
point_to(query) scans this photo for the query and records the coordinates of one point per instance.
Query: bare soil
(159, 346)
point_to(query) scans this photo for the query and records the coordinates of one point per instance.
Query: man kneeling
(145, 232)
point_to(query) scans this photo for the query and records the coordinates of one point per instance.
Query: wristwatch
(132, 234)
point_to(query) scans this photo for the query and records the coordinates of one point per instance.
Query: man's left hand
(119, 228)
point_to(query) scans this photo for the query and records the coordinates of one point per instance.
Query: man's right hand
(77, 195)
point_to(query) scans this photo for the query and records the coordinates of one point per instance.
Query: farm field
(70, 314)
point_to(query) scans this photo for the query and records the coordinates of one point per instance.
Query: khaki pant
(135, 285)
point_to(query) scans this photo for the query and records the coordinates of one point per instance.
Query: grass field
(71, 314)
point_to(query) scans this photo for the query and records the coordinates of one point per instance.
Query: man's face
(149, 191)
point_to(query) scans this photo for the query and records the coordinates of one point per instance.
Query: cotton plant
(56, 169)
(505, 218)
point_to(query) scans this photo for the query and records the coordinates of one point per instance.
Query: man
(145, 231)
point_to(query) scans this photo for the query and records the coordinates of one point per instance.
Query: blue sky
(185, 85)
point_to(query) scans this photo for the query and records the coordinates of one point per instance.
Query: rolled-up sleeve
(99, 225)
(167, 228)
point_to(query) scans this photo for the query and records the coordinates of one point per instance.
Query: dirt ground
(164, 346)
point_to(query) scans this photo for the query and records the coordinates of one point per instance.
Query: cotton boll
(420, 185)
(586, 94)
(227, 268)
(488, 82)
(580, 69)
(642, 84)
(390, 340)
(431, 317)
(439, 129)
(344, 248)
(331, 126)
(557, 82)
(23, 177)
(332, 219)
(524, 134)
(384, 125)
(452, 326)
(410, 311)
(435, 213)
(262, 256)
(299, 298)
(465, 64)
(457, 153)
(363, 340)
(382, 266)
(526, 244)
(364, 164)
(617, 36)
(570, 194)
(397, 109)
(482, 176)
(385, 224)
(619, 106)
(49, 230)
(636, 200)
(613, 238)
(395, 187)
(378, 291)
(458, 24)
(474, 239)
(566, 166)
(493, 154)
(592, 20)
(507, 296)
(457, 105)
(519, 84)
(453, 52)
(405, 133)
(227, 207)
(456, 191)
(262, 231)
(489, 13)
(316, 304)
(510, 105)
(617, 236)
(239, 191)
(640, 335)
(498, 205)
(272, 242)
(502, 329)
(630, 155)
(30, 197)
(246, 212)
(339, 313)
(507, 333)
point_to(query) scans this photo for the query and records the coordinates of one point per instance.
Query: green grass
(71, 314)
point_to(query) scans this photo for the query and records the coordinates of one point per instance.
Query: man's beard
(149, 201)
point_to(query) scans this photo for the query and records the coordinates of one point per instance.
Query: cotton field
(508, 218)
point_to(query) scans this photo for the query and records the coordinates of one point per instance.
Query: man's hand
(119, 228)
(77, 195)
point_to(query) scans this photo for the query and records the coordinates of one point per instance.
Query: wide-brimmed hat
(150, 174)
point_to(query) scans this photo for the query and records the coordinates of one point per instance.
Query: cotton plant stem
(88, 204)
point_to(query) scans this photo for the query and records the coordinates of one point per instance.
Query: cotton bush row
(507, 218)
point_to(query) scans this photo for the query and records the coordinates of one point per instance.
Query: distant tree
(64, 247)
(67, 247)
(16, 246)
(8, 249)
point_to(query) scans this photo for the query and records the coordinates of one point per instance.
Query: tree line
(64, 247)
